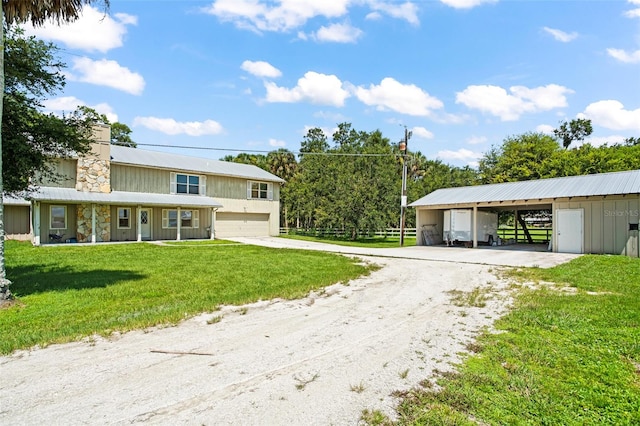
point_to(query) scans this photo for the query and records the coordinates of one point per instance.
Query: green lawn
(374, 242)
(65, 293)
(566, 355)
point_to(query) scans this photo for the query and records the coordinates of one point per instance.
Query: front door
(145, 224)
(570, 230)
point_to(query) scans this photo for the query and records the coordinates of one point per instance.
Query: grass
(198, 242)
(66, 293)
(373, 242)
(566, 354)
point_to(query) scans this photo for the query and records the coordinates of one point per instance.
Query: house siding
(17, 224)
(606, 223)
(71, 225)
(67, 169)
(157, 181)
(139, 179)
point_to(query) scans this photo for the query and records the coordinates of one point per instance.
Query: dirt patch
(318, 360)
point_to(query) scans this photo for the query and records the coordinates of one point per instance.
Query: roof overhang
(72, 196)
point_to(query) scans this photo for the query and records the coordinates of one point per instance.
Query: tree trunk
(5, 293)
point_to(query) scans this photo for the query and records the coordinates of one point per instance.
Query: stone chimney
(94, 168)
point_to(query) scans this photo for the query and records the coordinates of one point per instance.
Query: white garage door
(241, 225)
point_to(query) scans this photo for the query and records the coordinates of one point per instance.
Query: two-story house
(117, 193)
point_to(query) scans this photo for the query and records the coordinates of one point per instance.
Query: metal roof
(144, 158)
(617, 183)
(12, 200)
(70, 195)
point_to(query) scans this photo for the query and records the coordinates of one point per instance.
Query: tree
(120, 135)
(258, 160)
(353, 186)
(575, 130)
(521, 157)
(38, 12)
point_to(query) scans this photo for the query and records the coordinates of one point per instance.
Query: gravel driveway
(320, 360)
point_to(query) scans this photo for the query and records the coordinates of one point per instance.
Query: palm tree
(37, 12)
(283, 164)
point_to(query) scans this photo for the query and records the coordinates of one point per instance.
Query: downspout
(212, 232)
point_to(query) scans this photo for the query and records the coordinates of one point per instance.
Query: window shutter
(165, 217)
(270, 191)
(248, 190)
(172, 185)
(195, 219)
(203, 186)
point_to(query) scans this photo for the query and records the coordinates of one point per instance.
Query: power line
(256, 151)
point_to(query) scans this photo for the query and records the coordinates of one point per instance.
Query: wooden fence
(538, 235)
(332, 232)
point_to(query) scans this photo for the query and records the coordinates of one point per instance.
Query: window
(188, 184)
(124, 218)
(58, 217)
(188, 218)
(259, 190)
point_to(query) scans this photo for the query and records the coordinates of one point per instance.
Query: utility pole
(403, 199)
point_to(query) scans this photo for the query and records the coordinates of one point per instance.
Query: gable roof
(617, 183)
(144, 158)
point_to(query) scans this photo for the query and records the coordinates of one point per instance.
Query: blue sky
(256, 75)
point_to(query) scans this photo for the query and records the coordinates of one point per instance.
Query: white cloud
(466, 4)
(623, 56)
(561, 35)
(462, 154)
(633, 13)
(93, 31)
(338, 33)
(602, 140)
(612, 115)
(545, 128)
(476, 140)
(261, 69)
(422, 132)
(68, 104)
(316, 88)
(403, 98)
(286, 15)
(107, 73)
(510, 106)
(170, 126)
(277, 143)
(407, 10)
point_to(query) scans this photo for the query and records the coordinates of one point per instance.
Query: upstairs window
(182, 183)
(259, 190)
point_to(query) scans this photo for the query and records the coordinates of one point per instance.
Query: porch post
(475, 226)
(36, 223)
(212, 234)
(139, 215)
(179, 225)
(93, 223)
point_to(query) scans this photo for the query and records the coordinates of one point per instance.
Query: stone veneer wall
(93, 175)
(103, 223)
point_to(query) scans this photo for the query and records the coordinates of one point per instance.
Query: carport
(590, 214)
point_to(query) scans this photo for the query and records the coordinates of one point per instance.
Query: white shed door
(242, 225)
(570, 230)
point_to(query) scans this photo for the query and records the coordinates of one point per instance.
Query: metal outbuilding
(591, 214)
